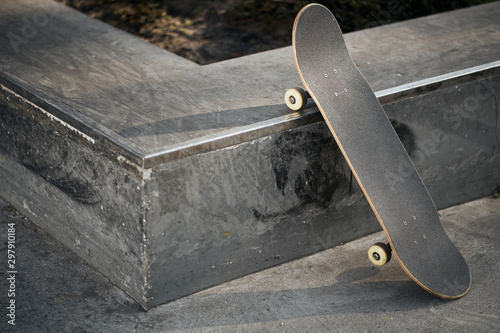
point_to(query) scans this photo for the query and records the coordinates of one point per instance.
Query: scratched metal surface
(376, 155)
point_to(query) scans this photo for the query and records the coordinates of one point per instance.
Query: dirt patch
(208, 31)
(201, 31)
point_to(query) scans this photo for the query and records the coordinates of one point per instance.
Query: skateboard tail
(456, 286)
(451, 282)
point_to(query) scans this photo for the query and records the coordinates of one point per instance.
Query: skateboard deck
(376, 156)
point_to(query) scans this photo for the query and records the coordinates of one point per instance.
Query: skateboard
(376, 157)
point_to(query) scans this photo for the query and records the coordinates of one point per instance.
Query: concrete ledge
(170, 177)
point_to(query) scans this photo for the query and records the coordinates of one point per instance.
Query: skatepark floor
(336, 290)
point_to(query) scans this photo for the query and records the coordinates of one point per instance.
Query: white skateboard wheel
(379, 254)
(296, 98)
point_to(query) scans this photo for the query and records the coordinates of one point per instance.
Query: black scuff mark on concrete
(282, 158)
(405, 135)
(76, 189)
(310, 161)
(65, 166)
(256, 213)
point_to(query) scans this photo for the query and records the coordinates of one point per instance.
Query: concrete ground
(336, 290)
